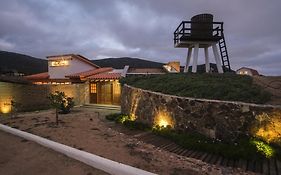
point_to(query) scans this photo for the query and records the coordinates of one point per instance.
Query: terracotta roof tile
(40, 76)
(89, 72)
(106, 76)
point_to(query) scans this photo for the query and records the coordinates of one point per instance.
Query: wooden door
(105, 93)
(116, 93)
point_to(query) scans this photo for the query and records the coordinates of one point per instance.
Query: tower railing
(184, 29)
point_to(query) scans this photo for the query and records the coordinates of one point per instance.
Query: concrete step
(101, 106)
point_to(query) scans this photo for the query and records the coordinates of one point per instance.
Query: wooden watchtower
(202, 32)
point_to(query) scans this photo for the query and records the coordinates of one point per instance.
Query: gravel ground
(21, 157)
(84, 129)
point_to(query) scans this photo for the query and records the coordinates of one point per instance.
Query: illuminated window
(38, 83)
(93, 88)
(58, 63)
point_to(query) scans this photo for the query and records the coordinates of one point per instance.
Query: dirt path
(19, 156)
(84, 130)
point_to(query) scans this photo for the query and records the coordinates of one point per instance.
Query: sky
(140, 28)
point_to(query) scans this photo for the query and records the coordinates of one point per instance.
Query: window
(58, 63)
(93, 88)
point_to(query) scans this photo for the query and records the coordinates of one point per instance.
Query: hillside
(16, 62)
(119, 63)
(10, 61)
(230, 87)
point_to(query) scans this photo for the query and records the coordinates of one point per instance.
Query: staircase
(224, 55)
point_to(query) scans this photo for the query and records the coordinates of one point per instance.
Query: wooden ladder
(224, 55)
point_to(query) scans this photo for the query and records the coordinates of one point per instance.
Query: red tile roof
(106, 75)
(89, 72)
(39, 76)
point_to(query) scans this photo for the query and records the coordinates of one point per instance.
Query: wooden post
(195, 58)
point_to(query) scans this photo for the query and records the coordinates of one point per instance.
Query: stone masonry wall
(222, 120)
(34, 97)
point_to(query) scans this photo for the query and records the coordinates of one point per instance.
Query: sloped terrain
(271, 84)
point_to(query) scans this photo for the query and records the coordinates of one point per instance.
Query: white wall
(75, 66)
(244, 71)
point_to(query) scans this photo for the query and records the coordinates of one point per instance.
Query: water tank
(203, 26)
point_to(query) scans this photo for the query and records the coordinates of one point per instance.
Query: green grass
(230, 87)
(246, 148)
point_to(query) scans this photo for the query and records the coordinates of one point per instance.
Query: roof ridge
(88, 73)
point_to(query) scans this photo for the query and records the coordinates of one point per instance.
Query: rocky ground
(87, 129)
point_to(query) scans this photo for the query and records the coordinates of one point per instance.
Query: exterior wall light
(5, 108)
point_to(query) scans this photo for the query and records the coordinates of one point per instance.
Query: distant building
(11, 73)
(172, 67)
(247, 71)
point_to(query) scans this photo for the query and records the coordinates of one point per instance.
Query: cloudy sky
(139, 28)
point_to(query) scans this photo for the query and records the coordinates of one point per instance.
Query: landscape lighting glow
(5, 108)
(163, 123)
(264, 148)
(134, 107)
(270, 127)
(163, 119)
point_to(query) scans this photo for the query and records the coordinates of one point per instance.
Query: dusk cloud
(144, 29)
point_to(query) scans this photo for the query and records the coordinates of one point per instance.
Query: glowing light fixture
(163, 123)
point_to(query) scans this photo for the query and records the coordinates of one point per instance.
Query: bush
(127, 121)
(246, 148)
(61, 102)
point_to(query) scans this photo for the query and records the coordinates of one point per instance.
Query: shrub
(61, 103)
(245, 148)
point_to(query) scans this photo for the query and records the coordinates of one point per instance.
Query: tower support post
(195, 58)
(188, 58)
(207, 63)
(217, 58)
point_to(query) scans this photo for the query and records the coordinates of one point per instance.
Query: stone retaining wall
(222, 120)
(34, 97)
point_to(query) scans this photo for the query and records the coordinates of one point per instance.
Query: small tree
(61, 103)
(14, 108)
